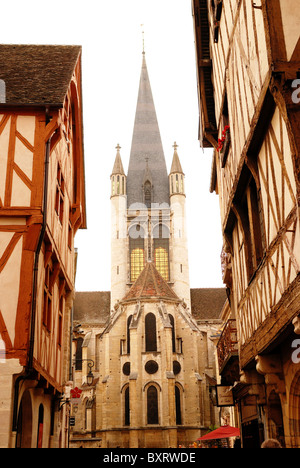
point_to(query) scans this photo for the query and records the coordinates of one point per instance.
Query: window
(249, 214)
(137, 253)
(147, 194)
(60, 194)
(128, 333)
(178, 406)
(150, 332)
(152, 405)
(47, 311)
(171, 318)
(161, 250)
(39, 442)
(70, 235)
(226, 139)
(126, 407)
(217, 9)
(78, 356)
(60, 321)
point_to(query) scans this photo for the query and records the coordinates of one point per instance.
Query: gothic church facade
(149, 355)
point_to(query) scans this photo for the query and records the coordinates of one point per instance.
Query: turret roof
(118, 166)
(176, 166)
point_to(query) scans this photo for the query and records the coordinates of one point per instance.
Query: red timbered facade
(42, 205)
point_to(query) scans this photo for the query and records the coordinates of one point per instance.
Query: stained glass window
(161, 250)
(137, 260)
(161, 262)
(137, 253)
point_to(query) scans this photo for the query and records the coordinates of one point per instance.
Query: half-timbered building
(42, 205)
(248, 65)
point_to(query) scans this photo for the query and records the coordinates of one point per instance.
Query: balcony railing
(227, 345)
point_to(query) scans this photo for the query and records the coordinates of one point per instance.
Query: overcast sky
(110, 33)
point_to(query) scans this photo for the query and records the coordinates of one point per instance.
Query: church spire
(118, 177)
(146, 144)
(176, 175)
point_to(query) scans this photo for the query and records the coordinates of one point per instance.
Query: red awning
(222, 432)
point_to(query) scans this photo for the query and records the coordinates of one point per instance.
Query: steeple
(146, 146)
(118, 177)
(176, 174)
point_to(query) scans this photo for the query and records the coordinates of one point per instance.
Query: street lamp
(90, 375)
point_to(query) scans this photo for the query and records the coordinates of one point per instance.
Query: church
(146, 344)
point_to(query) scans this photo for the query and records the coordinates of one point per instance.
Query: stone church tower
(147, 339)
(149, 394)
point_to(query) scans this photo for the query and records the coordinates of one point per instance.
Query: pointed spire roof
(176, 166)
(150, 284)
(118, 166)
(146, 143)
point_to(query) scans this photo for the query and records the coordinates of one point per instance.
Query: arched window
(137, 253)
(161, 250)
(118, 185)
(171, 318)
(177, 184)
(178, 406)
(147, 194)
(152, 405)
(150, 332)
(126, 407)
(78, 356)
(128, 333)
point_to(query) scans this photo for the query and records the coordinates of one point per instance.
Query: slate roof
(207, 303)
(37, 74)
(146, 146)
(92, 307)
(150, 284)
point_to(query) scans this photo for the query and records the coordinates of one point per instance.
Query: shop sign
(224, 395)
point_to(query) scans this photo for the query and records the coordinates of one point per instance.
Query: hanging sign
(224, 395)
(75, 395)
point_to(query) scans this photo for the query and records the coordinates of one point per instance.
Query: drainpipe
(71, 344)
(29, 368)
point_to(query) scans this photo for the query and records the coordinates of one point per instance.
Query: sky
(110, 33)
